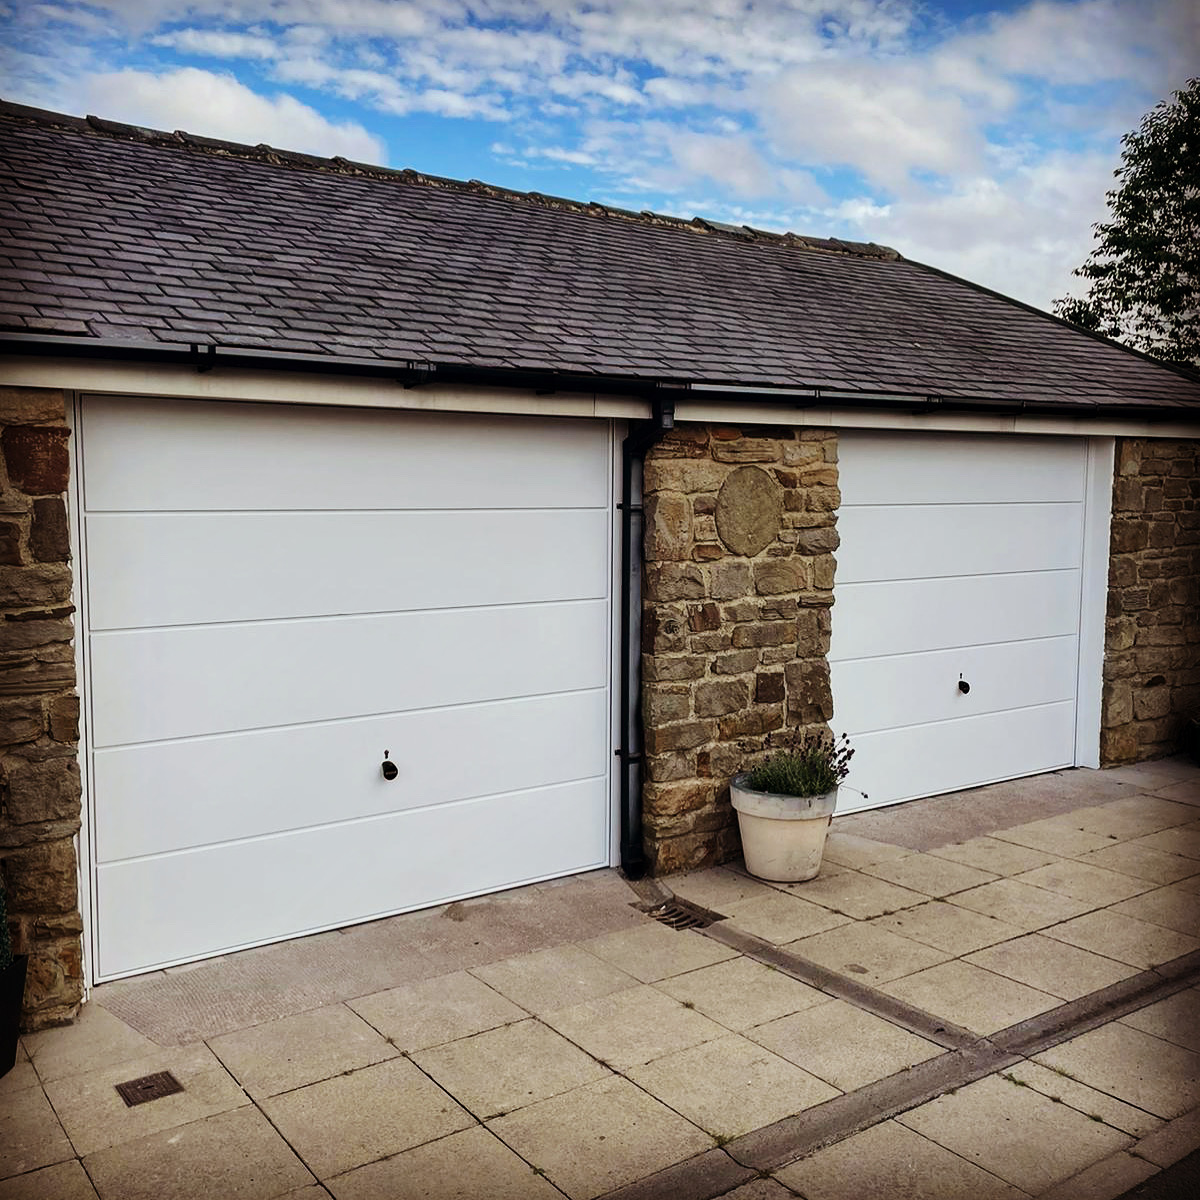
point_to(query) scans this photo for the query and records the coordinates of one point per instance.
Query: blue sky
(978, 137)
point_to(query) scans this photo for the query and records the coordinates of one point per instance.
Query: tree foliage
(1144, 274)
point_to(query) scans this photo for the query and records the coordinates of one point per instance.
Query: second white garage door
(279, 595)
(955, 649)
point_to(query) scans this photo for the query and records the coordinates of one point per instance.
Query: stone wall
(39, 710)
(1152, 650)
(740, 530)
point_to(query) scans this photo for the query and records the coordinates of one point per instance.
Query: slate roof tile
(134, 234)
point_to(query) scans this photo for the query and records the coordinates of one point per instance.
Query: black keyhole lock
(389, 768)
(963, 685)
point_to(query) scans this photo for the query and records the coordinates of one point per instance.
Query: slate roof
(117, 235)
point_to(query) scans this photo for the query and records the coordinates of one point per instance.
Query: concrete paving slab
(233, 1154)
(64, 1181)
(849, 849)
(549, 979)
(1136, 1067)
(1050, 966)
(1093, 885)
(844, 1045)
(718, 888)
(1186, 791)
(1175, 1019)
(947, 927)
(1150, 776)
(761, 1189)
(1021, 904)
(20, 1076)
(860, 896)
(867, 953)
(600, 1137)
(97, 1039)
(342, 1123)
(504, 1069)
(731, 1085)
(994, 855)
(285, 1054)
(1092, 1103)
(1015, 1133)
(464, 1166)
(781, 917)
(929, 874)
(1134, 816)
(1182, 839)
(892, 1161)
(436, 1010)
(1174, 907)
(1143, 862)
(971, 997)
(31, 1135)
(1173, 1141)
(633, 1026)
(1108, 1179)
(1139, 943)
(742, 993)
(1053, 835)
(653, 951)
(95, 1116)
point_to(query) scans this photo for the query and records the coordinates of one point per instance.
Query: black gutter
(642, 435)
(409, 373)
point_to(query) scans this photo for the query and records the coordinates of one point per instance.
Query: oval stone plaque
(749, 511)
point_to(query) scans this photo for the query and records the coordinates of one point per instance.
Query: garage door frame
(1099, 460)
(85, 839)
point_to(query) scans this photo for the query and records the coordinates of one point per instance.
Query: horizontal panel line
(353, 719)
(603, 506)
(965, 717)
(275, 835)
(352, 616)
(880, 504)
(1049, 637)
(1074, 569)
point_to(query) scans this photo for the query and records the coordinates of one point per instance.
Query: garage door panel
(904, 617)
(903, 690)
(170, 796)
(182, 568)
(958, 754)
(189, 456)
(930, 541)
(884, 468)
(211, 679)
(178, 907)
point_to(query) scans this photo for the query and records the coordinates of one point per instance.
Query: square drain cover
(682, 914)
(149, 1087)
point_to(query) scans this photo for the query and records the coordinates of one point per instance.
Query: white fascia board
(832, 417)
(97, 376)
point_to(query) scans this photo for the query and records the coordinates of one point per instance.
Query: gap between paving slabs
(969, 1057)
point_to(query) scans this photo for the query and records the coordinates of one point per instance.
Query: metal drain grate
(680, 914)
(149, 1087)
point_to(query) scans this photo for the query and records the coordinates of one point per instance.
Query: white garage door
(275, 597)
(960, 564)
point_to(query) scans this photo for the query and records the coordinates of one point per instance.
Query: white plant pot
(783, 837)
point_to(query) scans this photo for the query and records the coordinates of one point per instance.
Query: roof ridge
(182, 140)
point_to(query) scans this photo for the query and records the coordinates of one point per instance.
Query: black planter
(12, 994)
(1191, 737)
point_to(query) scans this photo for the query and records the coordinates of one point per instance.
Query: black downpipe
(642, 435)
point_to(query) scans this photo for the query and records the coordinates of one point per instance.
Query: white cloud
(215, 43)
(212, 105)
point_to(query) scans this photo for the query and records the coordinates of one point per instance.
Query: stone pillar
(39, 709)
(740, 534)
(1152, 645)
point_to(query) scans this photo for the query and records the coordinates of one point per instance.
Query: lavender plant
(815, 763)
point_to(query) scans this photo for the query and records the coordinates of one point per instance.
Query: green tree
(1144, 273)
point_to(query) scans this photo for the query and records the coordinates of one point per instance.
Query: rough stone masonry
(740, 534)
(39, 708)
